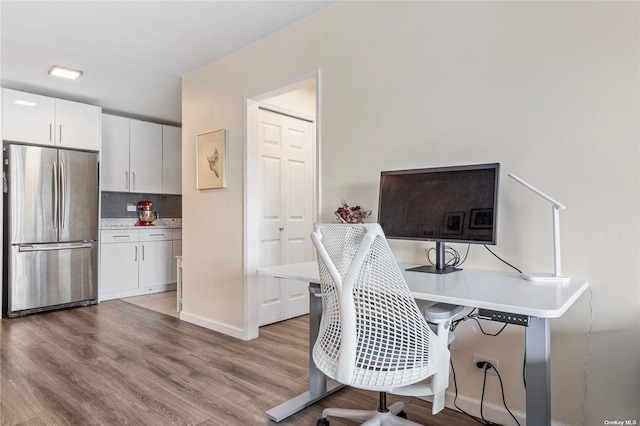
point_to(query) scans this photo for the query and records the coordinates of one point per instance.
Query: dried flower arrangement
(346, 214)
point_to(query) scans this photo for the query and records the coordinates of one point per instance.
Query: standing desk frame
(498, 291)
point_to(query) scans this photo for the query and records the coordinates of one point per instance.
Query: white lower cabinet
(136, 261)
(155, 258)
(118, 267)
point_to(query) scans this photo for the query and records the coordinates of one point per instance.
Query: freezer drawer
(43, 276)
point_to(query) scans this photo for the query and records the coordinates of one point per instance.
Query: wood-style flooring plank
(117, 363)
(14, 409)
(52, 402)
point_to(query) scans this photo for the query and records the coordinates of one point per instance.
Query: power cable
(487, 366)
(501, 259)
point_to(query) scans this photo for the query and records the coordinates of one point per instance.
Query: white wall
(550, 90)
(301, 100)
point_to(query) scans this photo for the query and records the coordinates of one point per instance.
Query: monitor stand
(440, 267)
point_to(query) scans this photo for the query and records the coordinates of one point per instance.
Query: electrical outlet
(478, 358)
(131, 208)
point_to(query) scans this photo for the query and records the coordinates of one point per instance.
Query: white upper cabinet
(145, 157)
(138, 156)
(115, 154)
(77, 125)
(171, 160)
(27, 117)
(42, 120)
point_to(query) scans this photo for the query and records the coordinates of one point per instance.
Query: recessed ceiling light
(63, 72)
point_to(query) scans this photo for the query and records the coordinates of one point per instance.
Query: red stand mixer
(146, 213)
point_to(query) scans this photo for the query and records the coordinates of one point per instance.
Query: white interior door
(286, 210)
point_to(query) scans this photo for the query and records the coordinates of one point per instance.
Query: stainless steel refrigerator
(50, 229)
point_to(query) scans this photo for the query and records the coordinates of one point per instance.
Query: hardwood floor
(118, 363)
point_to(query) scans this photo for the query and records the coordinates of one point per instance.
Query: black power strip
(517, 319)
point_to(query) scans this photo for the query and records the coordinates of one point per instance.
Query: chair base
(369, 417)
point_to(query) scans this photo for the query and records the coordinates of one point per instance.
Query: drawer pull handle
(54, 248)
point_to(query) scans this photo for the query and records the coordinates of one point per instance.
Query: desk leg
(319, 385)
(538, 350)
(317, 380)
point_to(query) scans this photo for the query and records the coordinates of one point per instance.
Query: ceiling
(132, 53)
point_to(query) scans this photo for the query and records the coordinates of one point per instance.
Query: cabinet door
(114, 167)
(77, 125)
(155, 263)
(145, 161)
(27, 117)
(119, 267)
(171, 160)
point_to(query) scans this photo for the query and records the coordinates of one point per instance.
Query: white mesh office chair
(372, 334)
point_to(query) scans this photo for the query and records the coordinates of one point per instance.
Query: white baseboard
(491, 412)
(238, 333)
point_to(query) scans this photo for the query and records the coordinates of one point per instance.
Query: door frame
(251, 250)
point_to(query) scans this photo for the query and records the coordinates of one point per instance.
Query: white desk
(499, 291)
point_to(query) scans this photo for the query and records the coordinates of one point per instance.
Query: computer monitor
(457, 204)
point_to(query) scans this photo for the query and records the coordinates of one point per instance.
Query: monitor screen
(443, 204)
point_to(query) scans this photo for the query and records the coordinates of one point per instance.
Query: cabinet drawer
(176, 234)
(119, 236)
(155, 234)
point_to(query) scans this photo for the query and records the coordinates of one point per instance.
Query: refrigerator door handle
(63, 190)
(55, 196)
(52, 248)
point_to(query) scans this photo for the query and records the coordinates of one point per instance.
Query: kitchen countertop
(129, 223)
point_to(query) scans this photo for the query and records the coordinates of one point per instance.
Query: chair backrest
(372, 334)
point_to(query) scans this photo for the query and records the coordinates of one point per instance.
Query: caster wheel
(402, 414)
(323, 422)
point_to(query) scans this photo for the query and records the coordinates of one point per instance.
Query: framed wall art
(211, 159)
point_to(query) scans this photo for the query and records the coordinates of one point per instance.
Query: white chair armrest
(439, 316)
(438, 312)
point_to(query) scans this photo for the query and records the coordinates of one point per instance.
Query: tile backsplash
(114, 204)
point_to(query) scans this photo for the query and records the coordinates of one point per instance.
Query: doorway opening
(281, 196)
